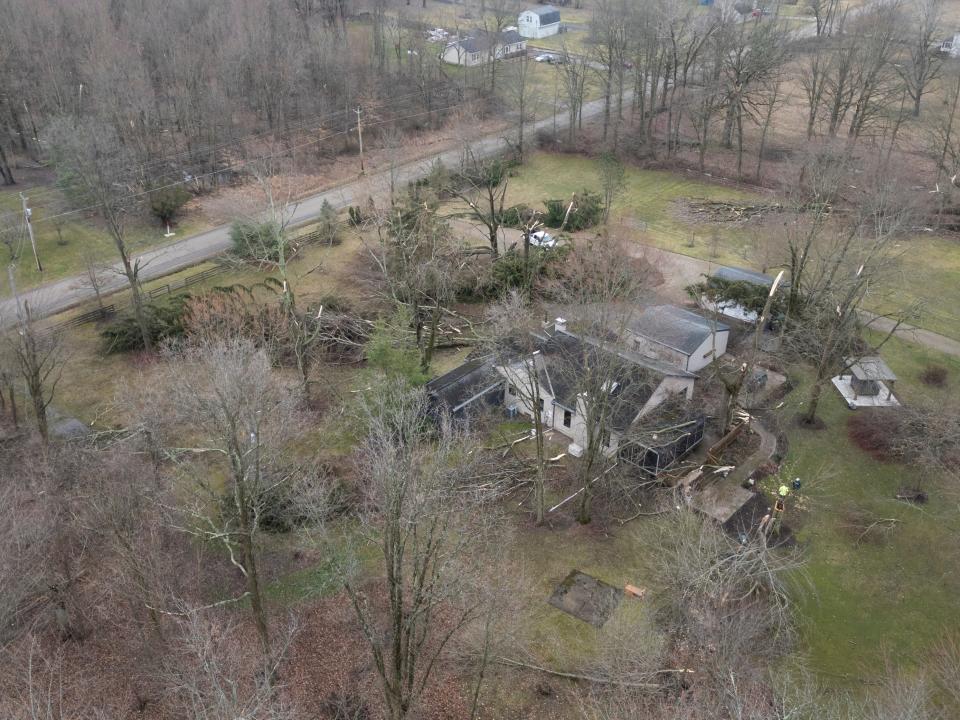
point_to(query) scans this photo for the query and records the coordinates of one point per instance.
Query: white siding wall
(669, 386)
(699, 359)
(454, 55)
(547, 30)
(708, 351)
(577, 432)
(528, 25)
(520, 381)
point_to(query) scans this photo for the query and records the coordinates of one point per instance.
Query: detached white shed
(539, 22)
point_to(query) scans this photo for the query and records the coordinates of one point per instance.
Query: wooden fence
(102, 313)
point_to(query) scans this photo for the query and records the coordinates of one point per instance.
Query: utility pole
(13, 293)
(27, 212)
(360, 137)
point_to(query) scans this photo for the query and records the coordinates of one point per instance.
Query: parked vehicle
(549, 58)
(542, 239)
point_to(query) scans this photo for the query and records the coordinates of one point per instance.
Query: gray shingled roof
(675, 327)
(548, 14)
(481, 41)
(735, 274)
(563, 355)
(463, 383)
(870, 367)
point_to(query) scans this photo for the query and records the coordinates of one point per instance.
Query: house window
(708, 354)
(540, 403)
(511, 390)
(605, 438)
(567, 418)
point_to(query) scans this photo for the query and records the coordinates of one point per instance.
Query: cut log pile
(720, 211)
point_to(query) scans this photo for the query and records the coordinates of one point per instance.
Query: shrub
(258, 241)
(438, 179)
(587, 212)
(355, 216)
(165, 203)
(517, 216)
(164, 322)
(390, 350)
(328, 224)
(285, 506)
(235, 312)
(509, 272)
(875, 432)
(934, 375)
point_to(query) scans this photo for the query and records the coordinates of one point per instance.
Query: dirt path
(913, 334)
(768, 446)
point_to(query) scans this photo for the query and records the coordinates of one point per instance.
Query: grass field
(644, 211)
(648, 211)
(65, 243)
(90, 380)
(884, 595)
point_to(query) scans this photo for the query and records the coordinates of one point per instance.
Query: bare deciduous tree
(40, 358)
(923, 64)
(427, 528)
(225, 396)
(95, 169)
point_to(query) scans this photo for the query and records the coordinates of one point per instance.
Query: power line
(241, 163)
(300, 126)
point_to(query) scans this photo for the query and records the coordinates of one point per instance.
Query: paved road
(911, 333)
(63, 294)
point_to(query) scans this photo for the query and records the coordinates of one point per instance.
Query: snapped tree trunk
(427, 356)
(249, 554)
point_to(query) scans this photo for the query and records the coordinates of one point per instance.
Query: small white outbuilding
(539, 22)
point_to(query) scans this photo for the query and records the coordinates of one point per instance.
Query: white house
(951, 46)
(539, 22)
(677, 336)
(481, 47)
(550, 374)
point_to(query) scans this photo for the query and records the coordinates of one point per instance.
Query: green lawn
(575, 41)
(64, 243)
(648, 212)
(644, 211)
(928, 272)
(890, 594)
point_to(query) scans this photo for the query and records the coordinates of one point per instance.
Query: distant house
(745, 278)
(539, 22)
(481, 47)
(471, 386)
(951, 46)
(641, 385)
(678, 336)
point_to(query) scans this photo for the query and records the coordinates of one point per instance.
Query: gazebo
(866, 382)
(868, 376)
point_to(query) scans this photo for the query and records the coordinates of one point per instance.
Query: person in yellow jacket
(778, 509)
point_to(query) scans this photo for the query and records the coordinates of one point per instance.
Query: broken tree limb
(568, 499)
(579, 676)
